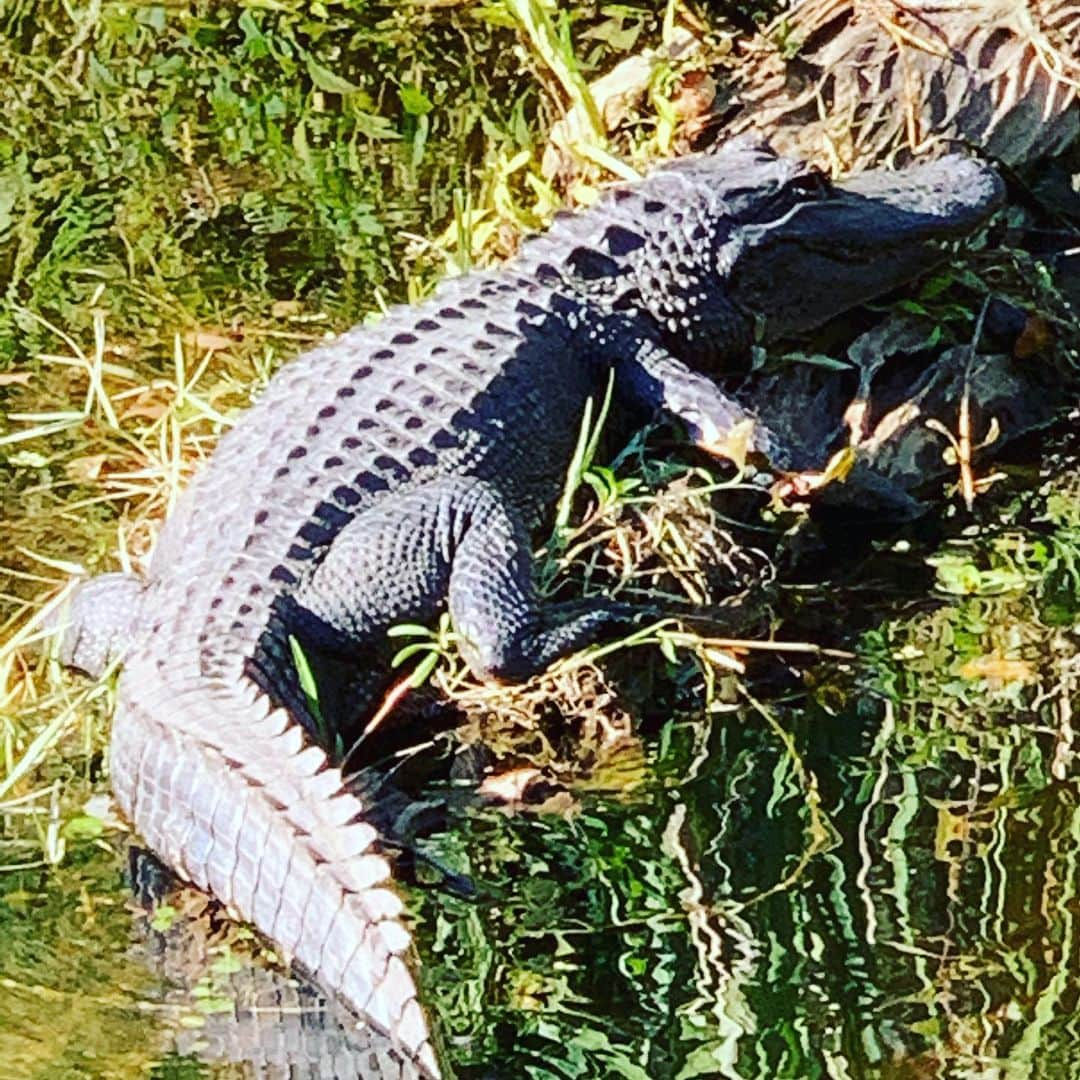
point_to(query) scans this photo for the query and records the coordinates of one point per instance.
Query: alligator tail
(227, 791)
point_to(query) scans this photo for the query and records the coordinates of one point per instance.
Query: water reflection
(934, 937)
(232, 1011)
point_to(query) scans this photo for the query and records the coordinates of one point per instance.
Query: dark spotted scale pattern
(399, 470)
(886, 80)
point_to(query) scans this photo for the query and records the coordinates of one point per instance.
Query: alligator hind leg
(454, 543)
(98, 622)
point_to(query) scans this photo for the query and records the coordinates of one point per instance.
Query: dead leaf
(561, 804)
(209, 341)
(1036, 336)
(85, 469)
(15, 378)
(997, 670)
(855, 419)
(510, 787)
(801, 485)
(734, 444)
(695, 95)
(616, 95)
(725, 658)
(145, 405)
(285, 309)
(903, 416)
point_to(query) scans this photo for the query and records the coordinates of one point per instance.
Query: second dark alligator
(400, 470)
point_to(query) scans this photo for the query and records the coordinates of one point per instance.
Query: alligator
(400, 470)
(851, 84)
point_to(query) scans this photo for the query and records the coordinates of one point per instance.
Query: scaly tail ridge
(227, 792)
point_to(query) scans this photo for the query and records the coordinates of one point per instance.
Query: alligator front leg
(654, 380)
(453, 543)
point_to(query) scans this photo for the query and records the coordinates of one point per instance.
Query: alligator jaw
(858, 240)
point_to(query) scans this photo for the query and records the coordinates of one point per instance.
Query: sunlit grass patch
(94, 482)
(136, 438)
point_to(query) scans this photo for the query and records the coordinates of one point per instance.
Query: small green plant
(431, 646)
(580, 464)
(309, 686)
(786, 40)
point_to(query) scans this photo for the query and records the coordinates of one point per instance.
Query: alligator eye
(811, 182)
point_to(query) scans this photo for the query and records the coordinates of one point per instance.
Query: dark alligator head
(714, 246)
(834, 246)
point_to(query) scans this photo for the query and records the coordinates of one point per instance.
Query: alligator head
(717, 246)
(815, 249)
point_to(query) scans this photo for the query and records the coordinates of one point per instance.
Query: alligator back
(487, 378)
